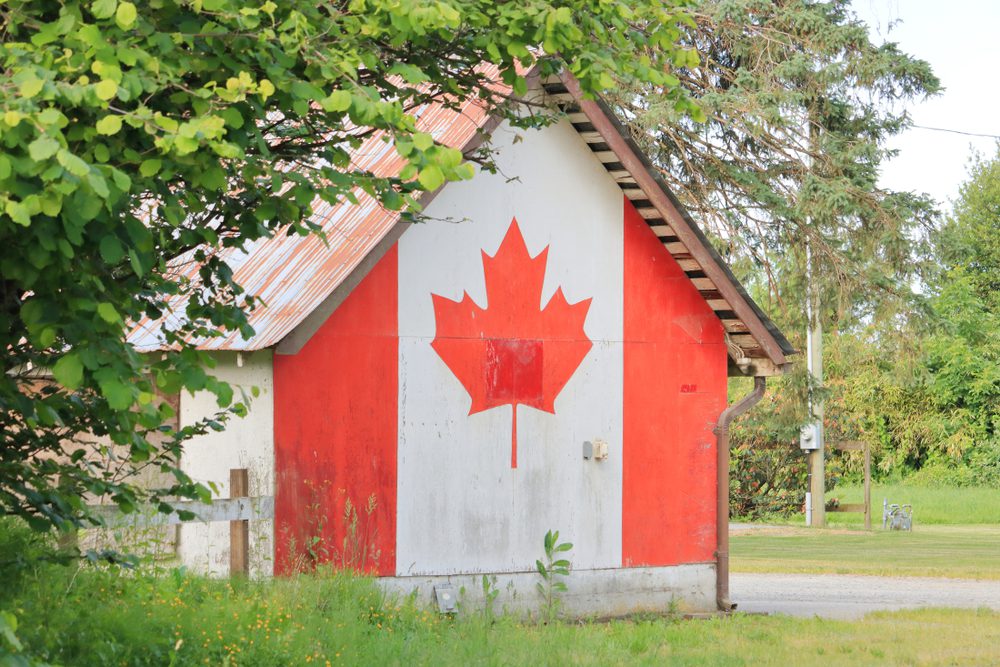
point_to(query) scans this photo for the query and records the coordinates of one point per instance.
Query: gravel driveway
(853, 596)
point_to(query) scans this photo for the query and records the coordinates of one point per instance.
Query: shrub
(771, 479)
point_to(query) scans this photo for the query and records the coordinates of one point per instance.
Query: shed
(548, 350)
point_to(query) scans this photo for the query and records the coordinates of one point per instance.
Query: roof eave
(770, 339)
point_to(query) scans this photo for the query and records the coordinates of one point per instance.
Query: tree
(962, 351)
(133, 135)
(927, 393)
(799, 103)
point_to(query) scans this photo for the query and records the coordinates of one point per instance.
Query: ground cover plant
(928, 551)
(326, 619)
(956, 534)
(932, 505)
(83, 614)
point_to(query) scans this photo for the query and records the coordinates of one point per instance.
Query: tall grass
(931, 505)
(93, 616)
(113, 619)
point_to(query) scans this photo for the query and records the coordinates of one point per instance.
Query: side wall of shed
(370, 408)
(246, 442)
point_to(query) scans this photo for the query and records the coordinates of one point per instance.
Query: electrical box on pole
(811, 436)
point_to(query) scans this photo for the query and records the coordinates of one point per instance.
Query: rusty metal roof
(293, 274)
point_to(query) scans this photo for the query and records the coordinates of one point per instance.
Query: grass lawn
(101, 618)
(956, 534)
(928, 551)
(71, 615)
(944, 505)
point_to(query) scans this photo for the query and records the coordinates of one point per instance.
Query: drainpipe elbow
(722, 600)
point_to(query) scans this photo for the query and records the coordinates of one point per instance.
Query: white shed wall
(245, 443)
(462, 508)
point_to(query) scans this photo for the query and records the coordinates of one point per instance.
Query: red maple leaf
(513, 351)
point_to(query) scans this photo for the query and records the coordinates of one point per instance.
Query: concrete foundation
(600, 592)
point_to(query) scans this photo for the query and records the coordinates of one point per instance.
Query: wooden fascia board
(659, 199)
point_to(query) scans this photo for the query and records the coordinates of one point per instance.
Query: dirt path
(852, 596)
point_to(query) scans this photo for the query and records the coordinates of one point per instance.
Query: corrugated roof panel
(292, 275)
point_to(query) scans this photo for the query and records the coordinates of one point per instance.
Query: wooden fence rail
(221, 509)
(239, 509)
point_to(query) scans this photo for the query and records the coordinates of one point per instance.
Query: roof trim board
(756, 345)
(690, 239)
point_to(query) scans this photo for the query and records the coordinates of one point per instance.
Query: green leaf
(118, 393)
(72, 163)
(51, 203)
(111, 249)
(233, 117)
(265, 88)
(50, 117)
(18, 212)
(68, 371)
(31, 87)
(422, 141)
(431, 177)
(8, 628)
(103, 9)
(43, 148)
(136, 261)
(47, 337)
(126, 15)
(338, 100)
(185, 145)
(106, 89)
(108, 313)
(109, 125)
(150, 167)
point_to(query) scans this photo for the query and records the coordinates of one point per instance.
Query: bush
(942, 475)
(766, 480)
(771, 479)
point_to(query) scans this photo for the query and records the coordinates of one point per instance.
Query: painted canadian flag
(510, 358)
(522, 354)
(458, 382)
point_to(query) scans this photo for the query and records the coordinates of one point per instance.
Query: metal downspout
(722, 479)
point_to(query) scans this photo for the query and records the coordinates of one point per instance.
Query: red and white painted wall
(449, 397)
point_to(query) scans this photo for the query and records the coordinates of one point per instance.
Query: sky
(961, 41)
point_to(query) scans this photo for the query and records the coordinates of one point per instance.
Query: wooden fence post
(68, 542)
(239, 531)
(868, 486)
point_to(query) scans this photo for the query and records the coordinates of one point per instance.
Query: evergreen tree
(799, 103)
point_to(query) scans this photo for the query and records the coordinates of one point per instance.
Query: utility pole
(812, 436)
(812, 433)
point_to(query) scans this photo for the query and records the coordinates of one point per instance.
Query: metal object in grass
(896, 516)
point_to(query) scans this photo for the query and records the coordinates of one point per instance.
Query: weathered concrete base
(602, 593)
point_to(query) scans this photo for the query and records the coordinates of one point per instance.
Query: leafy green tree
(927, 394)
(799, 103)
(130, 134)
(963, 350)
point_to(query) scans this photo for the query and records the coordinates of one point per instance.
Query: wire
(968, 134)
